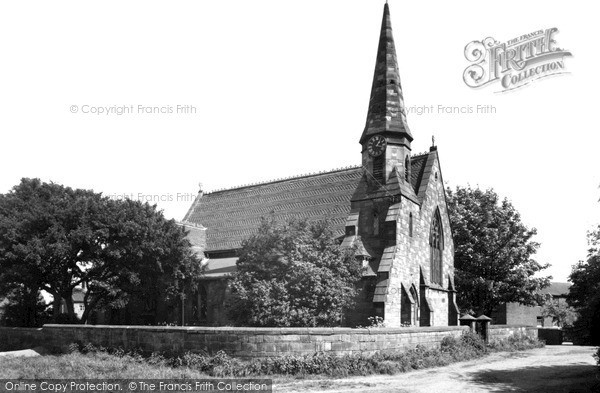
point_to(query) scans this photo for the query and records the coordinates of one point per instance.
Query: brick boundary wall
(238, 342)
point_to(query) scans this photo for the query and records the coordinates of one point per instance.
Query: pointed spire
(386, 106)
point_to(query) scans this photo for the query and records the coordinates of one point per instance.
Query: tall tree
(22, 307)
(561, 313)
(293, 274)
(493, 252)
(584, 294)
(55, 238)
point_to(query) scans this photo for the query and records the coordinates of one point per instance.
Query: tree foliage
(293, 274)
(23, 307)
(584, 294)
(55, 238)
(493, 252)
(561, 313)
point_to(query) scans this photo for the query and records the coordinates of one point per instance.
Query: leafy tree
(293, 274)
(493, 252)
(22, 307)
(55, 238)
(584, 294)
(560, 312)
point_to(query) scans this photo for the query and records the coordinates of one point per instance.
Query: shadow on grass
(577, 378)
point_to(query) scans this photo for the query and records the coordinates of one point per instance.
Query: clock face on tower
(376, 145)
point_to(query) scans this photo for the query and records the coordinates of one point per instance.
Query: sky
(147, 99)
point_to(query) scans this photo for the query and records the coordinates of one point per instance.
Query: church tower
(386, 138)
(398, 211)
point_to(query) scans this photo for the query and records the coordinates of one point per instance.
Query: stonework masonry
(241, 342)
(412, 262)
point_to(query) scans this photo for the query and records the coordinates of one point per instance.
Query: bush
(451, 349)
(518, 342)
(473, 340)
(376, 322)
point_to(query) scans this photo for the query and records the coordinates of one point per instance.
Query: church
(391, 207)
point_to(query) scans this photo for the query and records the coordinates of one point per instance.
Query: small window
(350, 230)
(392, 82)
(436, 176)
(390, 232)
(410, 225)
(540, 321)
(407, 168)
(375, 224)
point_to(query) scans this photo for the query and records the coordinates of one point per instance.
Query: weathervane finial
(433, 146)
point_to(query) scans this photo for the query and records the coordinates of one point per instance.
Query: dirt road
(550, 369)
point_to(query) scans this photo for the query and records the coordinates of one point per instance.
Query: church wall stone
(413, 257)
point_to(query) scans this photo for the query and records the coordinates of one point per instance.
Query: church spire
(386, 107)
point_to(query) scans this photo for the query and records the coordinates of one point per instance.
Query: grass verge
(91, 362)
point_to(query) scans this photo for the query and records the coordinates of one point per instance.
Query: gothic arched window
(436, 244)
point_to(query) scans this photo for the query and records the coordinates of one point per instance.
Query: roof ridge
(421, 154)
(279, 180)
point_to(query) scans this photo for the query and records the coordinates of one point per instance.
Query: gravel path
(550, 369)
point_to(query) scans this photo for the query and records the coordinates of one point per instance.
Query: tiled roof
(417, 166)
(557, 289)
(217, 268)
(396, 184)
(223, 267)
(386, 259)
(381, 291)
(232, 215)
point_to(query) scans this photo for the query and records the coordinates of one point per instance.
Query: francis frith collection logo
(516, 62)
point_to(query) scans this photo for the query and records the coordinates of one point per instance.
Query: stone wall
(499, 332)
(239, 342)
